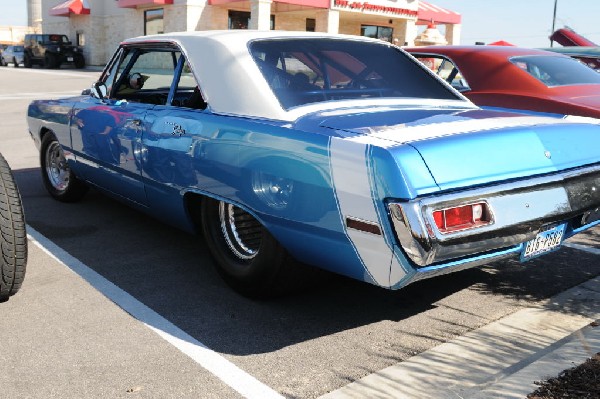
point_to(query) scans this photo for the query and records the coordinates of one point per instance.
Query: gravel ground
(581, 382)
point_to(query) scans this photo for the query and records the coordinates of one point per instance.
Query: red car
(513, 77)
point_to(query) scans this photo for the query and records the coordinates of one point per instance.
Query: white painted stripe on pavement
(219, 366)
(60, 72)
(581, 247)
(39, 95)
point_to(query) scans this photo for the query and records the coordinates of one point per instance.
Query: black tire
(27, 61)
(50, 61)
(13, 236)
(246, 255)
(79, 62)
(60, 181)
(2, 63)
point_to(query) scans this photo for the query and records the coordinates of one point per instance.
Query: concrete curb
(499, 360)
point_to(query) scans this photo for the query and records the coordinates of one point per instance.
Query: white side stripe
(405, 134)
(230, 374)
(352, 186)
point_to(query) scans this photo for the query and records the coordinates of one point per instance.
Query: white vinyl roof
(229, 79)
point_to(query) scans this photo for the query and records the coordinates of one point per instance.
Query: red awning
(69, 7)
(135, 3)
(428, 12)
(500, 43)
(306, 3)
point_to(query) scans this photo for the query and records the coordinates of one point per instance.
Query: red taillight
(462, 217)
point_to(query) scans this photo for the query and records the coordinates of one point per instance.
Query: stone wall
(108, 25)
(14, 34)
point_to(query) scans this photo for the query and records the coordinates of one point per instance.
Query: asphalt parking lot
(116, 304)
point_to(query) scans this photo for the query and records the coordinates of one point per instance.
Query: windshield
(557, 71)
(302, 71)
(18, 49)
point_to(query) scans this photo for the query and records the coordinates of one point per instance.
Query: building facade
(100, 25)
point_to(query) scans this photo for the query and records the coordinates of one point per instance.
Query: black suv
(51, 50)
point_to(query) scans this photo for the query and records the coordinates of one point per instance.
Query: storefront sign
(359, 6)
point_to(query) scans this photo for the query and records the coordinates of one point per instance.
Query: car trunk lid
(470, 148)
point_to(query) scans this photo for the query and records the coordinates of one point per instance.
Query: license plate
(70, 59)
(545, 241)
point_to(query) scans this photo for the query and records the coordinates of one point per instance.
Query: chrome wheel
(242, 232)
(57, 170)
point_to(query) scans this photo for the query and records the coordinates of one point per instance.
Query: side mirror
(136, 81)
(98, 90)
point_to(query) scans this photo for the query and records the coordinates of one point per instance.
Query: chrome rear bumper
(519, 209)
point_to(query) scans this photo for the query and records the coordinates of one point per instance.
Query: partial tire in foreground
(13, 236)
(246, 255)
(58, 178)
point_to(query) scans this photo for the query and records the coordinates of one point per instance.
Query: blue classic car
(340, 152)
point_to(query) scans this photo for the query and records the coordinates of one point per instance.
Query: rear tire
(13, 238)
(50, 61)
(60, 181)
(246, 255)
(26, 61)
(79, 62)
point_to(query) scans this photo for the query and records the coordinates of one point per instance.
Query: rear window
(557, 71)
(61, 39)
(301, 71)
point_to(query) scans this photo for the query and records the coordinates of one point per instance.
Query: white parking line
(61, 72)
(230, 374)
(581, 247)
(39, 95)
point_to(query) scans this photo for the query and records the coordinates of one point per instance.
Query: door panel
(107, 139)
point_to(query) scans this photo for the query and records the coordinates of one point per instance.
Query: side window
(187, 92)
(445, 69)
(144, 75)
(109, 76)
(152, 76)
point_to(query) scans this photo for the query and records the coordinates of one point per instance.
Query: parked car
(586, 54)
(512, 77)
(568, 37)
(51, 51)
(12, 54)
(340, 152)
(13, 239)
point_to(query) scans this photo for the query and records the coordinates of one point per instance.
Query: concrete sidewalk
(499, 360)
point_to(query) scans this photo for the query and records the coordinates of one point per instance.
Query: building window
(154, 22)
(241, 20)
(377, 32)
(311, 23)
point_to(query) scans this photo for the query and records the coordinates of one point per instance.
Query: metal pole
(553, 23)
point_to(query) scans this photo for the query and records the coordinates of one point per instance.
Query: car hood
(477, 147)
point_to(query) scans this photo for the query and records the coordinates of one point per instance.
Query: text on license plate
(69, 59)
(545, 241)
